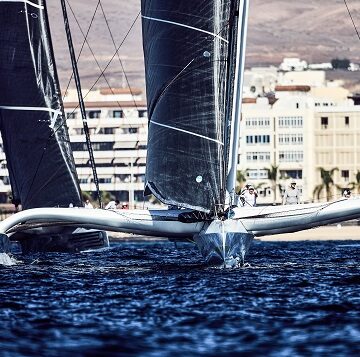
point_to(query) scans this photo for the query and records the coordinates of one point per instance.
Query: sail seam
(187, 132)
(187, 26)
(41, 109)
(26, 2)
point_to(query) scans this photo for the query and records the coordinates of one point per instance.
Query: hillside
(315, 30)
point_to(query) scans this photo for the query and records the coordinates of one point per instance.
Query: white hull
(256, 221)
(262, 221)
(259, 221)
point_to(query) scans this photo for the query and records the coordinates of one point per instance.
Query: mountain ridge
(316, 31)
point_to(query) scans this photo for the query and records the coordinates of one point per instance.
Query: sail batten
(186, 48)
(187, 26)
(186, 131)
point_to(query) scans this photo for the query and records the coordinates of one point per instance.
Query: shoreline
(338, 232)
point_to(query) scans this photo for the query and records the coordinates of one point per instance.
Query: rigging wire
(103, 72)
(95, 59)
(81, 100)
(118, 56)
(55, 130)
(112, 57)
(83, 44)
(107, 65)
(352, 20)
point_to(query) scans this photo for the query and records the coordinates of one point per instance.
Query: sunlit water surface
(150, 299)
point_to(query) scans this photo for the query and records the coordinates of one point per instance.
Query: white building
(117, 121)
(292, 131)
(293, 64)
(259, 80)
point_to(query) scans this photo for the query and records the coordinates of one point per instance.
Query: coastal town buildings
(300, 129)
(297, 122)
(117, 121)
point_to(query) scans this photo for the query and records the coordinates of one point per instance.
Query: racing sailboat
(194, 59)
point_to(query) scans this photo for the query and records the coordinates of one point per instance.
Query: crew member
(112, 204)
(291, 195)
(248, 197)
(88, 204)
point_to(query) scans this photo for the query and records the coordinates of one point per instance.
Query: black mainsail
(186, 50)
(32, 122)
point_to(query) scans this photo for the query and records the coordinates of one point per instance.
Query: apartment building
(274, 135)
(337, 144)
(300, 130)
(117, 121)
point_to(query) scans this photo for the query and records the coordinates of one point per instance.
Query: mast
(236, 112)
(81, 100)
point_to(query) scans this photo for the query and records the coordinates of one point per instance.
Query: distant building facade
(296, 121)
(300, 131)
(293, 64)
(117, 121)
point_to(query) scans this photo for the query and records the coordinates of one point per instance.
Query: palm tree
(356, 184)
(107, 196)
(273, 176)
(240, 179)
(86, 195)
(327, 183)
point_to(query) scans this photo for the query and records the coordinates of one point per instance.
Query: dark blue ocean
(150, 299)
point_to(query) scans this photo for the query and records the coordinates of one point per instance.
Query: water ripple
(293, 299)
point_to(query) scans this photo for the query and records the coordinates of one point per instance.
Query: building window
(104, 180)
(324, 122)
(71, 115)
(345, 175)
(293, 139)
(295, 174)
(109, 130)
(290, 122)
(258, 156)
(257, 122)
(142, 113)
(94, 114)
(257, 174)
(118, 114)
(291, 156)
(105, 146)
(347, 121)
(258, 139)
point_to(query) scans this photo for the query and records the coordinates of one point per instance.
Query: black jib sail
(186, 50)
(36, 142)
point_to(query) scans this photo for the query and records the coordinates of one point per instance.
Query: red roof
(107, 104)
(293, 88)
(249, 100)
(108, 91)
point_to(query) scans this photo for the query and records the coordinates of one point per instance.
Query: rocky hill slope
(314, 30)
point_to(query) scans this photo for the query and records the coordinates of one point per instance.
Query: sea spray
(5, 259)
